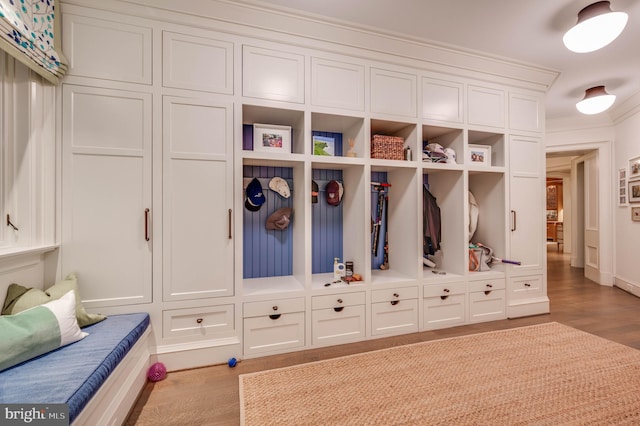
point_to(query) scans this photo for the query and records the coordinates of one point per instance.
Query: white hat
(280, 186)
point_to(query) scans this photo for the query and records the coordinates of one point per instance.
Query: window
(27, 158)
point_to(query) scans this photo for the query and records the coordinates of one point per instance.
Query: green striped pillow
(38, 330)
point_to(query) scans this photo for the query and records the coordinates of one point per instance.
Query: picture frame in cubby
(271, 138)
(479, 155)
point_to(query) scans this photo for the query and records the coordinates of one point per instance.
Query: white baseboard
(628, 286)
(199, 354)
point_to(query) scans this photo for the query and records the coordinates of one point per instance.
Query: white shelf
(271, 285)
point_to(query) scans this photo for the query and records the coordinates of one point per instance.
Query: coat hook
(10, 224)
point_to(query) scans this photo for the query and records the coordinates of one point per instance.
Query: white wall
(627, 233)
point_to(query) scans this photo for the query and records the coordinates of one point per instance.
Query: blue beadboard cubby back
(267, 253)
(326, 227)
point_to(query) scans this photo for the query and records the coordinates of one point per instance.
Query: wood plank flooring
(210, 395)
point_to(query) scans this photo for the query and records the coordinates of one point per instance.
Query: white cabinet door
(201, 62)
(442, 100)
(106, 189)
(337, 84)
(272, 74)
(393, 92)
(527, 205)
(526, 112)
(197, 199)
(485, 106)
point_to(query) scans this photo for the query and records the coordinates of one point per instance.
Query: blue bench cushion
(74, 373)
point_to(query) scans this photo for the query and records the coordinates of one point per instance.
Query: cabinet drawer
(487, 306)
(448, 289)
(394, 317)
(526, 287)
(439, 312)
(487, 285)
(273, 307)
(332, 326)
(394, 294)
(267, 334)
(198, 321)
(337, 300)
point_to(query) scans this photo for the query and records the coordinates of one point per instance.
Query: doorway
(581, 220)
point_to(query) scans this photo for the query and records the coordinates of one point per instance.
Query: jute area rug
(547, 374)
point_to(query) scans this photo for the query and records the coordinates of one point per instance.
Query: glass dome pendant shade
(597, 26)
(596, 100)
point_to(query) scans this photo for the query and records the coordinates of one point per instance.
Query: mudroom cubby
(187, 151)
(337, 231)
(350, 128)
(405, 130)
(447, 137)
(488, 189)
(273, 260)
(447, 186)
(403, 222)
(254, 114)
(494, 141)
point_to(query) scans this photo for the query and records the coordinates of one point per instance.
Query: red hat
(333, 193)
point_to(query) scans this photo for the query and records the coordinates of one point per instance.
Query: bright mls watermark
(34, 414)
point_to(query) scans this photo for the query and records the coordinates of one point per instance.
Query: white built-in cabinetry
(156, 155)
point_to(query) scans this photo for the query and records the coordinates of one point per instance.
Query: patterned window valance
(28, 28)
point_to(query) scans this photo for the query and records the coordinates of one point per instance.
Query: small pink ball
(157, 372)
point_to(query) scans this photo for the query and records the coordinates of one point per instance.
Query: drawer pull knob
(394, 302)
(444, 297)
(489, 286)
(199, 320)
(338, 308)
(396, 295)
(487, 292)
(339, 300)
(446, 290)
(275, 308)
(527, 285)
(274, 316)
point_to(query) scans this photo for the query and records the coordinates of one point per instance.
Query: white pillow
(38, 330)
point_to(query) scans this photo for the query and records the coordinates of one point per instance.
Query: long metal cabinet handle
(146, 225)
(513, 220)
(230, 224)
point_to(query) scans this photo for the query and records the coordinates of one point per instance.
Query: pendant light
(596, 100)
(597, 26)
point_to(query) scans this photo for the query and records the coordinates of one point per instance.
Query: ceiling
(527, 31)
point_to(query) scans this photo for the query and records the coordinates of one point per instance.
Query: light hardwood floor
(210, 396)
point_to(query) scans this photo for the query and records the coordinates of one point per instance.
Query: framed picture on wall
(635, 214)
(634, 191)
(622, 187)
(634, 168)
(271, 138)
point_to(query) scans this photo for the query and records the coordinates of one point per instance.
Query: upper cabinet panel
(272, 74)
(197, 63)
(108, 50)
(442, 100)
(526, 112)
(485, 106)
(337, 84)
(393, 92)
